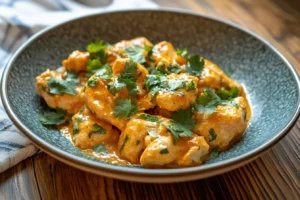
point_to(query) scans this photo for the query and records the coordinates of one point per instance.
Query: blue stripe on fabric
(8, 27)
(23, 28)
(4, 124)
(5, 149)
(11, 144)
(61, 6)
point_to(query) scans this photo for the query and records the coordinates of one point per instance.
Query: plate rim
(86, 164)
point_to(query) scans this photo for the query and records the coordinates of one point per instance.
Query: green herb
(190, 86)
(92, 82)
(96, 47)
(149, 118)
(163, 70)
(52, 116)
(124, 143)
(104, 72)
(126, 78)
(97, 129)
(99, 148)
(136, 53)
(212, 134)
(164, 151)
(137, 142)
(182, 52)
(93, 65)
(182, 123)
(124, 108)
(209, 100)
(150, 50)
(228, 94)
(152, 134)
(63, 86)
(44, 88)
(195, 65)
(76, 125)
(214, 153)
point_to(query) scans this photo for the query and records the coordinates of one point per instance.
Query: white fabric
(19, 19)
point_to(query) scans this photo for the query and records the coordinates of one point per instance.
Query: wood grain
(275, 175)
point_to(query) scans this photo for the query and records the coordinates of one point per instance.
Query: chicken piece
(182, 97)
(77, 61)
(186, 152)
(223, 127)
(143, 99)
(151, 144)
(70, 103)
(102, 102)
(167, 54)
(89, 131)
(213, 77)
(139, 41)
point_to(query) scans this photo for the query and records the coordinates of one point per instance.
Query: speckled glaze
(270, 81)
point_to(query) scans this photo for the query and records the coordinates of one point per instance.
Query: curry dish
(135, 103)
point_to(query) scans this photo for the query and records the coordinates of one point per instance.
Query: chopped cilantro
(44, 88)
(182, 123)
(214, 153)
(63, 86)
(163, 70)
(149, 118)
(195, 65)
(92, 82)
(150, 50)
(104, 72)
(124, 108)
(99, 148)
(228, 94)
(76, 125)
(137, 142)
(182, 52)
(136, 53)
(97, 129)
(96, 47)
(124, 143)
(164, 151)
(190, 86)
(152, 133)
(212, 134)
(209, 100)
(52, 116)
(92, 65)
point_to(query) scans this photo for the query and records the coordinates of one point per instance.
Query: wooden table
(275, 175)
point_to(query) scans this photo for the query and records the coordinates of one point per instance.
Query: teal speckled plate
(271, 82)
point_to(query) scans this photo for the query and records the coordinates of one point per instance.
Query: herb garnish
(52, 116)
(63, 86)
(124, 143)
(182, 123)
(228, 94)
(99, 148)
(209, 100)
(182, 52)
(212, 134)
(136, 53)
(195, 65)
(164, 151)
(124, 108)
(92, 82)
(97, 129)
(214, 153)
(149, 118)
(137, 142)
(76, 125)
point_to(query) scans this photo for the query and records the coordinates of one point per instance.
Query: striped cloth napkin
(20, 19)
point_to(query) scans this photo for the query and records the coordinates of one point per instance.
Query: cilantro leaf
(212, 134)
(136, 53)
(178, 130)
(195, 65)
(163, 70)
(209, 100)
(126, 78)
(164, 151)
(52, 116)
(185, 117)
(124, 109)
(76, 125)
(92, 82)
(99, 148)
(124, 143)
(137, 142)
(214, 153)
(190, 86)
(228, 94)
(182, 52)
(97, 129)
(92, 65)
(150, 50)
(149, 118)
(96, 47)
(61, 86)
(104, 72)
